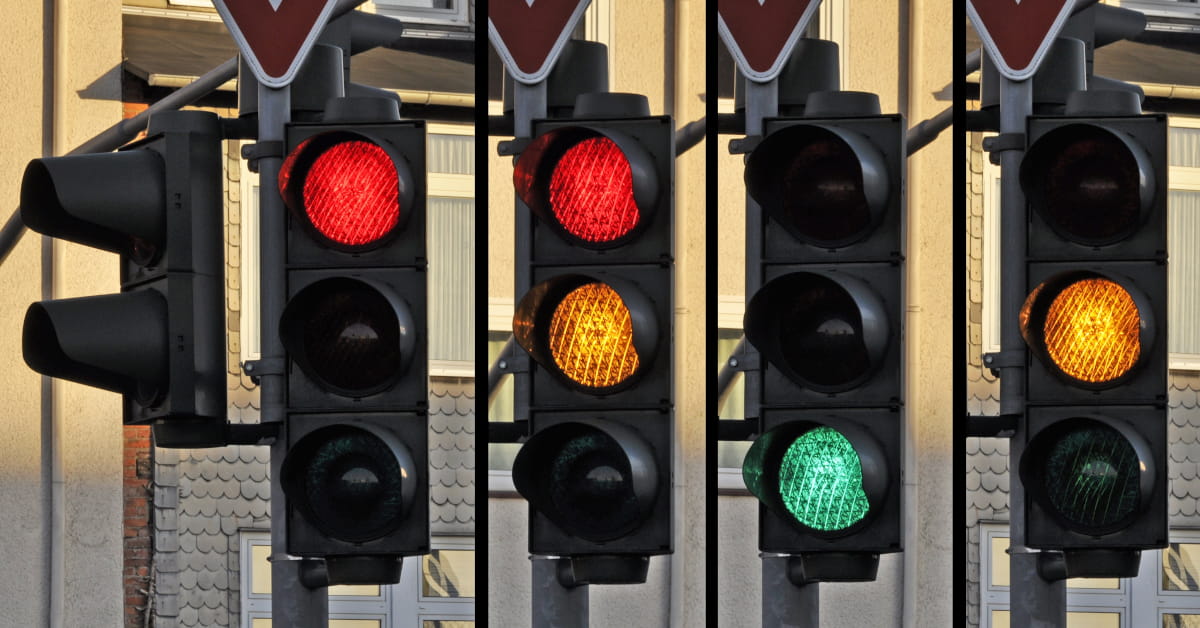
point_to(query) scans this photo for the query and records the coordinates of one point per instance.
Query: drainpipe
(912, 550)
(679, 572)
(52, 429)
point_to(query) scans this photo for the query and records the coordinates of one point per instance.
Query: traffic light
(596, 320)
(1094, 467)
(160, 342)
(354, 330)
(827, 322)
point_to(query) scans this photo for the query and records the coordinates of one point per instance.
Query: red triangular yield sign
(275, 36)
(1017, 33)
(529, 34)
(760, 34)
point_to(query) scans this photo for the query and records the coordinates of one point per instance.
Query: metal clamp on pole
(264, 366)
(514, 146)
(744, 145)
(261, 150)
(1003, 142)
(1002, 360)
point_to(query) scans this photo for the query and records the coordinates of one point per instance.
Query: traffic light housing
(1094, 466)
(826, 321)
(597, 323)
(160, 342)
(355, 332)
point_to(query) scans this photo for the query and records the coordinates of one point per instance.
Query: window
(451, 249)
(1183, 233)
(1166, 591)
(440, 595)
(443, 12)
(730, 454)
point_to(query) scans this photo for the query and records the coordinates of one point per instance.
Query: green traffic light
(821, 481)
(1091, 476)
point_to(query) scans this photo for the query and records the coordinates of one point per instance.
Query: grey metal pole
(553, 604)
(785, 605)
(292, 603)
(1033, 601)
(556, 606)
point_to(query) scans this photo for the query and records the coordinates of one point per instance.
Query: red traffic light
(596, 188)
(825, 185)
(350, 190)
(1092, 185)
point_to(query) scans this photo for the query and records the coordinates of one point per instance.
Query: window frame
(445, 185)
(1141, 601)
(398, 606)
(457, 15)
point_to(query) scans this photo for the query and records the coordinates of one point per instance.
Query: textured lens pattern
(821, 483)
(823, 192)
(352, 484)
(1092, 331)
(352, 338)
(591, 191)
(591, 488)
(1093, 187)
(352, 193)
(591, 337)
(821, 334)
(1091, 477)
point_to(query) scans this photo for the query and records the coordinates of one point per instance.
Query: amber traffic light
(1094, 459)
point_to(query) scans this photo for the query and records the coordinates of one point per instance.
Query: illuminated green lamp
(822, 480)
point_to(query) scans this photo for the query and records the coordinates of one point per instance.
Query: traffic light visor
(595, 479)
(825, 185)
(352, 484)
(1090, 328)
(824, 330)
(352, 337)
(111, 201)
(1093, 185)
(597, 188)
(824, 479)
(1094, 475)
(595, 333)
(353, 192)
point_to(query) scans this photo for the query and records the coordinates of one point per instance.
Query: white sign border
(540, 74)
(994, 52)
(784, 53)
(252, 60)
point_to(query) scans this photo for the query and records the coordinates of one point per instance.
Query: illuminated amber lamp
(1087, 327)
(595, 334)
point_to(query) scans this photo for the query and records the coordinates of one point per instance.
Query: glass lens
(821, 482)
(591, 191)
(591, 337)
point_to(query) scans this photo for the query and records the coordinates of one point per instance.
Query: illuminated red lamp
(350, 191)
(595, 188)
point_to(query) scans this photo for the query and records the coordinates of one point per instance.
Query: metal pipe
(923, 133)
(1034, 601)
(689, 135)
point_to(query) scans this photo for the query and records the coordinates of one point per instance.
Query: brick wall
(138, 493)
